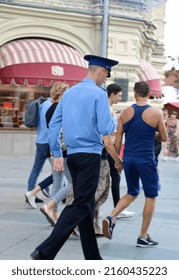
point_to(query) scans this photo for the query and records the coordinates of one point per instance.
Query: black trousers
(157, 149)
(115, 181)
(84, 169)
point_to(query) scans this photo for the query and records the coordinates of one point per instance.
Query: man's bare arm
(161, 129)
(119, 136)
(113, 153)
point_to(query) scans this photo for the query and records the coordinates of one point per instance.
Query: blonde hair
(58, 89)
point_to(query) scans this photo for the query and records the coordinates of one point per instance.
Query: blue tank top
(139, 136)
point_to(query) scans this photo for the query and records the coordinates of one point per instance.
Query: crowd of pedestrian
(82, 138)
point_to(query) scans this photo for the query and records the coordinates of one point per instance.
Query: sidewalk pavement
(23, 228)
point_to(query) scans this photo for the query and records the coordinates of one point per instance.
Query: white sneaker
(165, 158)
(125, 214)
(30, 199)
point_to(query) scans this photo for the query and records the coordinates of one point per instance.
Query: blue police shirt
(84, 115)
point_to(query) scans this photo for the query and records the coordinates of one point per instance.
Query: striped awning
(36, 59)
(174, 104)
(150, 75)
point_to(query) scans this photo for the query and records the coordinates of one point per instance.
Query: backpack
(32, 111)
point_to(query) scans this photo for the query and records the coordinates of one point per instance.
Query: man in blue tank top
(141, 124)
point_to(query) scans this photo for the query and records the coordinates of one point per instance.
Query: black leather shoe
(36, 255)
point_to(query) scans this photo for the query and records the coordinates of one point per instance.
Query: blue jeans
(60, 187)
(62, 182)
(42, 153)
(46, 182)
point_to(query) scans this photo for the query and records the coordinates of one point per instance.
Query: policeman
(84, 116)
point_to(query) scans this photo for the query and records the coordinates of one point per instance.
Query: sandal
(75, 234)
(44, 211)
(99, 234)
(55, 216)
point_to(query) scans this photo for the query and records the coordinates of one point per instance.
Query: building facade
(34, 32)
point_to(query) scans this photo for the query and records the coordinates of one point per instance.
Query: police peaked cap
(101, 61)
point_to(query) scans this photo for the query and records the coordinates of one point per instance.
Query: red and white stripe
(150, 75)
(147, 72)
(38, 50)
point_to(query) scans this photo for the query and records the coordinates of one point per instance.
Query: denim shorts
(144, 168)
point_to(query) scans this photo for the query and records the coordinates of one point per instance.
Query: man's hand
(119, 165)
(58, 164)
